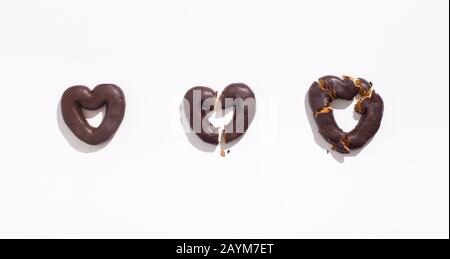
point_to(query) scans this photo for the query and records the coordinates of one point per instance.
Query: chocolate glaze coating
(329, 128)
(340, 88)
(76, 98)
(208, 133)
(370, 106)
(237, 96)
(369, 122)
(319, 97)
(244, 106)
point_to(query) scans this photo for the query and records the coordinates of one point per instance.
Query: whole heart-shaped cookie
(370, 106)
(77, 98)
(201, 100)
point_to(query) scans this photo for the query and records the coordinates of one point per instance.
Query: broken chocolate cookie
(199, 101)
(369, 104)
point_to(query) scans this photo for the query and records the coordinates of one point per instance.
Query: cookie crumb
(222, 152)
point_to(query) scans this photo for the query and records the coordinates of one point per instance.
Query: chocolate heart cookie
(77, 98)
(200, 100)
(369, 105)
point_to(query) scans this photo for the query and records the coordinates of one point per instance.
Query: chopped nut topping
(344, 142)
(323, 110)
(358, 107)
(323, 85)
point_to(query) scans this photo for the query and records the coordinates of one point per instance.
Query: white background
(277, 182)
